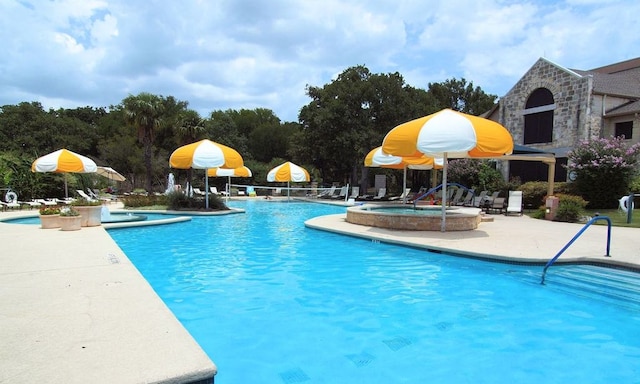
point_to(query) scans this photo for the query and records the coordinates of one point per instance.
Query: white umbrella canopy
(205, 154)
(243, 171)
(288, 172)
(449, 134)
(110, 173)
(64, 161)
(377, 158)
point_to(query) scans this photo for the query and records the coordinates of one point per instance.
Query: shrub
(179, 201)
(570, 208)
(604, 169)
(137, 201)
(82, 202)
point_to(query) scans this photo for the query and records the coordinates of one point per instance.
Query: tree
(349, 117)
(604, 169)
(462, 97)
(144, 112)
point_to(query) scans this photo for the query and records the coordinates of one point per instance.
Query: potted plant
(90, 210)
(49, 217)
(70, 219)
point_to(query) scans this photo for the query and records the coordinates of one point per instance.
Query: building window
(624, 129)
(538, 117)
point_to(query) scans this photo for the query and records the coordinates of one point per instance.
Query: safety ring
(11, 197)
(624, 204)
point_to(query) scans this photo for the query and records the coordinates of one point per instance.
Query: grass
(617, 216)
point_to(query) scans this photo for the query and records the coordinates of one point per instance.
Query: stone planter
(70, 223)
(91, 215)
(49, 221)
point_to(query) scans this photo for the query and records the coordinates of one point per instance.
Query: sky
(247, 54)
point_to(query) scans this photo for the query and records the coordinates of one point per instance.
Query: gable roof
(618, 79)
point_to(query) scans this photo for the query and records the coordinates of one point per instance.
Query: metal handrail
(435, 189)
(593, 220)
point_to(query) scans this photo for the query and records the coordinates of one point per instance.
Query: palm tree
(144, 112)
(188, 128)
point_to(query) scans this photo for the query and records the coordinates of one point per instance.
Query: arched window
(538, 117)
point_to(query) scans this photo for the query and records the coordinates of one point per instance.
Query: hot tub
(422, 218)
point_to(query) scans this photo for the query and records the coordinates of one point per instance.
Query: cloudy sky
(221, 54)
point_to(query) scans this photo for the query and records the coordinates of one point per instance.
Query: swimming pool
(271, 301)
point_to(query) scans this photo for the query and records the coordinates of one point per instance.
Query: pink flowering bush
(604, 168)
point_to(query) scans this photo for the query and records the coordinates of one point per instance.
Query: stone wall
(572, 120)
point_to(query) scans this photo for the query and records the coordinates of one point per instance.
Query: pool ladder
(593, 220)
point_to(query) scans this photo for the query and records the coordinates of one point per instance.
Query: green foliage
(534, 193)
(571, 208)
(82, 202)
(140, 200)
(47, 210)
(477, 174)
(634, 185)
(179, 201)
(604, 169)
(460, 96)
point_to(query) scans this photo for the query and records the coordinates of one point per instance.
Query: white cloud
(247, 54)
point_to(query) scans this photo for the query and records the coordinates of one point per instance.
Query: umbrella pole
(404, 185)
(66, 189)
(288, 192)
(443, 227)
(206, 189)
(228, 187)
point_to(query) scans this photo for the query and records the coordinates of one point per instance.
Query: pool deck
(74, 309)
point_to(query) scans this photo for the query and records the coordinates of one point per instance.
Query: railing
(434, 190)
(593, 220)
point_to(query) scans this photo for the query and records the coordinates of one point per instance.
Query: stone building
(553, 108)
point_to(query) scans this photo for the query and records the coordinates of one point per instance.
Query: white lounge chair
(342, 194)
(514, 204)
(8, 205)
(84, 195)
(382, 194)
(327, 193)
(402, 196)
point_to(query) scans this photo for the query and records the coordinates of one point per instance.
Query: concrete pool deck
(74, 309)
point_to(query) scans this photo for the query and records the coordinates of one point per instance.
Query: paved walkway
(518, 238)
(73, 309)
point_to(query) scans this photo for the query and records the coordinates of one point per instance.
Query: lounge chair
(355, 192)
(468, 199)
(514, 203)
(46, 202)
(197, 191)
(10, 205)
(402, 196)
(497, 205)
(342, 194)
(487, 203)
(382, 194)
(455, 200)
(84, 195)
(327, 193)
(479, 200)
(31, 204)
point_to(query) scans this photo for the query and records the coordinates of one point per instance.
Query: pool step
(616, 286)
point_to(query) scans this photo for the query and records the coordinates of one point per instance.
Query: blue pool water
(271, 301)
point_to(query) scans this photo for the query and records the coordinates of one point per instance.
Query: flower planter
(70, 223)
(91, 215)
(49, 221)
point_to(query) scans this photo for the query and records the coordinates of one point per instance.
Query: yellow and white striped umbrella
(64, 161)
(225, 172)
(288, 172)
(377, 158)
(205, 154)
(243, 171)
(449, 134)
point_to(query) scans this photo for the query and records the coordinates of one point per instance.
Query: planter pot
(91, 215)
(49, 221)
(70, 223)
